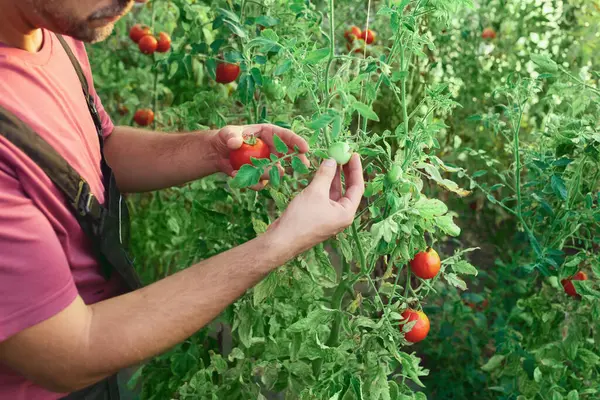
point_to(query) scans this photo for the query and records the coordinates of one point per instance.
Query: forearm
(129, 329)
(144, 160)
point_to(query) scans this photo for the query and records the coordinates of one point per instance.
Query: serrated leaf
(247, 176)
(465, 268)
(264, 288)
(274, 177)
(455, 281)
(313, 320)
(388, 228)
(283, 67)
(299, 166)
(380, 390)
(493, 363)
(447, 225)
(316, 56)
(559, 187)
(434, 174)
(365, 111)
(429, 208)
(280, 145)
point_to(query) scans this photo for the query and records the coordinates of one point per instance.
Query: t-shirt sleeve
(35, 279)
(82, 57)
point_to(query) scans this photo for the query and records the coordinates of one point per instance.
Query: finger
(232, 136)
(335, 193)
(259, 186)
(287, 136)
(355, 184)
(324, 176)
(267, 173)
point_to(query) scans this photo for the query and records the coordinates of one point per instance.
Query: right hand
(322, 209)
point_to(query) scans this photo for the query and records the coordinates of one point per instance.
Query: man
(63, 325)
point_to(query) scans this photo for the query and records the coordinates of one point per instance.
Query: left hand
(231, 138)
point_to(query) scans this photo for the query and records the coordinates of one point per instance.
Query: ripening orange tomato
(426, 264)
(421, 328)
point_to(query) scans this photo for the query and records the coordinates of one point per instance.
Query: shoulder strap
(54, 165)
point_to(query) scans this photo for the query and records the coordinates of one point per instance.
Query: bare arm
(83, 344)
(144, 160)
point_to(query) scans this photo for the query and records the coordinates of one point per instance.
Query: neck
(16, 30)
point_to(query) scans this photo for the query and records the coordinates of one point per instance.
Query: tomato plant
(485, 150)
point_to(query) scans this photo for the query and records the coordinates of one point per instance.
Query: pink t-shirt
(45, 257)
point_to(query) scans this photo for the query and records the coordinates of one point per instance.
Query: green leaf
(299, 166)
(388, 228)
(429, 208)
(321, 269)
(545, 63)
(280, 145)
(274, 177)
(247, 176)
(265, 288)
(559, 187)
(379, 387)
(588, 357)
(266, 21)
(366, 111)
(573, 395)
(447, 225)
(455, 281)
(316, 56)
(283, 67)
(463, 267)
(493, 363)
(313, 320)
(479, 173)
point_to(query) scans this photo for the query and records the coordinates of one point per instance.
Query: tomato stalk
(336, 304)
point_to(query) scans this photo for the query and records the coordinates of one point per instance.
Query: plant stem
(361, 252)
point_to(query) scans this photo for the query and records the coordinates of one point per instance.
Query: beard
(90, 29)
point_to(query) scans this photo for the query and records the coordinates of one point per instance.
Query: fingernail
(330, 162)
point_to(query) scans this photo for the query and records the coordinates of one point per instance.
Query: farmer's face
(87, 20)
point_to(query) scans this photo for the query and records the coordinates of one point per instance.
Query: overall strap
(75, 188)
(90, 103)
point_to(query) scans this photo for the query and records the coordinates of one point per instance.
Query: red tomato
(368, 36)
(144, 117)
(426, 264)
(568, 284)
(420, 330)
(164, 43)
(148, 44)
(138, 31)
(488, 33)
(227, 73)
(352, 34)
(253, 147)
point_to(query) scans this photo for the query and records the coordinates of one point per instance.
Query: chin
(92, 35)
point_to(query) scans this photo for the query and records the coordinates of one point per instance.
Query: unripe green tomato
(404, 188)
(340, 152)
(394, 174)
(274, 91)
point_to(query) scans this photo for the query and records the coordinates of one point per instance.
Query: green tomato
(394, 174)
(340, 152)
(274, 90)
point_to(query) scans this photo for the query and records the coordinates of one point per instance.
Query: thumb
(324, 176)
(232, 136)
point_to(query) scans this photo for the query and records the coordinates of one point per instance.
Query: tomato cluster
(363, 37)
(147, 42)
